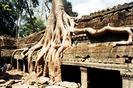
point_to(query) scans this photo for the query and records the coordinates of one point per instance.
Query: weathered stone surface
(99, 55)
(43, 80)
(25, 86)
(104, 52)
(2, 81)
(31, 79)
(54, 86)
(30, 40)
(68, 84)
(9, 83)
(121, 15)
(7, 42)
(6, 53)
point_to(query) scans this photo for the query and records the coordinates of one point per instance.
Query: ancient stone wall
(121, 15)
(29, 40)
(7, 42)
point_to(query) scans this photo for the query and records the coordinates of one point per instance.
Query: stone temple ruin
(92, 61)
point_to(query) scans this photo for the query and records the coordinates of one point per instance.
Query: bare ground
(19, 79)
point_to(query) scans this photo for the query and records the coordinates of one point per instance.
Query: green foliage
(7, 18)
(68, 9)
(26, 28)
(40, 24)
(11, 12)
(18, 15)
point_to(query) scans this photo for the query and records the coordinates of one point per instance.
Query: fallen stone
(17, 81)
(31, 78)
(43, 80)
(42, 86)
(68, 84)
(132, 61)
(54, 86)
(10, 82)
(9, 86)
(5, 68)
(21, 86)
(32, 82)
(2, 81)
(2, 85)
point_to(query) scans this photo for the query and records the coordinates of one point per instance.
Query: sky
(85, 7)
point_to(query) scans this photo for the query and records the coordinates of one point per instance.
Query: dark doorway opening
(4, 60)
(99, 78)
(71, 73)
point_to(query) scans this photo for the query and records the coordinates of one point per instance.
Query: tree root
(97, 32)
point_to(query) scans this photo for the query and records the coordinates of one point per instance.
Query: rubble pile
(17, 79)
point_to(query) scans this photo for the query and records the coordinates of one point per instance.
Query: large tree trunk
(54, 41)
(57, 38)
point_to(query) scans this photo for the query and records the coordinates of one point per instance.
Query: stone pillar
(127, 82)
(24, 67)
(131, 82)
(18, 65)
(84, 77)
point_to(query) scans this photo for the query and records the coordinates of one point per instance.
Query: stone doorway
(71, 73)
(100, 78)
